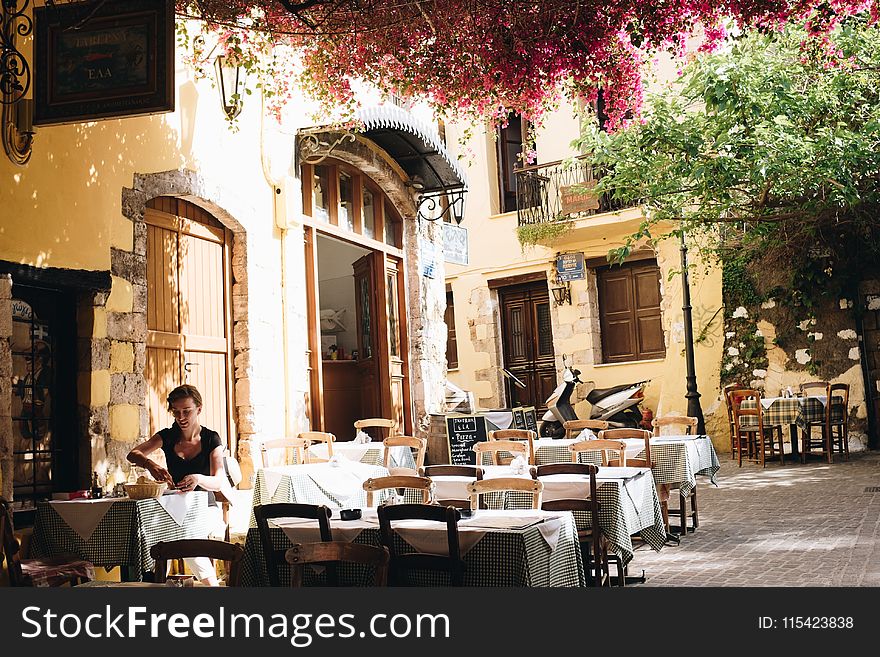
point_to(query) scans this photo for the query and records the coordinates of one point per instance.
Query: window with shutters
(451, 340)
(511, 139)
(629, 312)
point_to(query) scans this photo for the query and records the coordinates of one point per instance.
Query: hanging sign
(578, 198)
(455, 244)
(570, 267)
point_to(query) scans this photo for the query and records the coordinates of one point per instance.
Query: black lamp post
(693, 397)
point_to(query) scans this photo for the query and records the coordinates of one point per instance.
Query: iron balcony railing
(559, 191)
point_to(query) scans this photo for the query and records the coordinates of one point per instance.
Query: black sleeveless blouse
(199, 464)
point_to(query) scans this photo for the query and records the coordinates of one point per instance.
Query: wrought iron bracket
(437, 205)
(15, 81)
(314, 151)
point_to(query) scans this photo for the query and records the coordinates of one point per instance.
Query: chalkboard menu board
(530, 416)
(462, 433)
(519, 418)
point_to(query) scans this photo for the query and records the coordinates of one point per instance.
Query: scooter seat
(600, 393)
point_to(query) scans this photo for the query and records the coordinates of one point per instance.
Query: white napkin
(335, 460)
(362, 437)
(176, 505)
(550, 530)
(272, 479)
(82, 516)
(518, 465)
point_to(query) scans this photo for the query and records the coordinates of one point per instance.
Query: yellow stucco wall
(494, 252)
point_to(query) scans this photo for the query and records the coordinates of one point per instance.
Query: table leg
(794, 439)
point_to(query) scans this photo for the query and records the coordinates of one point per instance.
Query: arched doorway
(189, 325)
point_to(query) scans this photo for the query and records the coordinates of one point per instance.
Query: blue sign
(570, 267)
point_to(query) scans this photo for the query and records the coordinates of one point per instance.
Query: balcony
(559, 191)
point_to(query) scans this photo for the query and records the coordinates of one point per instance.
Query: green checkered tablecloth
(501, 558)
(779, 411)
(677, 460)
(310, 484)
(124, 535)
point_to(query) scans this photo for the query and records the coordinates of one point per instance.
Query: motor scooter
(618, 405)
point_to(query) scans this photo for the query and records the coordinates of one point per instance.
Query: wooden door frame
(315, 407)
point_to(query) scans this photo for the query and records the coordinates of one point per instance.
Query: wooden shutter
(629, 311)
(451, 339)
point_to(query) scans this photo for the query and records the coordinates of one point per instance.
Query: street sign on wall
(455, 244)
(570, 267)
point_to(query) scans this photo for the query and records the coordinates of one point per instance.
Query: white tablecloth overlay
(343, 479)
(83, 516)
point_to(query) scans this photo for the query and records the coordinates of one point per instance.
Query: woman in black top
(193, 453)
(194, 458)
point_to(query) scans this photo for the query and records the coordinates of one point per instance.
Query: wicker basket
(145, 491)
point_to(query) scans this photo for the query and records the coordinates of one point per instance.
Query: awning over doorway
(415, 145)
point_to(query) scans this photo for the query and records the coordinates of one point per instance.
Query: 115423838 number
(817, 622)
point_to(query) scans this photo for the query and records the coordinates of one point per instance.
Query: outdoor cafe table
(628, 501)
(337, 484)
(796, 412)
(500, 548)
(372, 453)
(119, 531)
(677, 459)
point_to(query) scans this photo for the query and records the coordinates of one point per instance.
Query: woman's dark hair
(184, 391)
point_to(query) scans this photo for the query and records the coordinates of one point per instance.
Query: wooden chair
(726, 392)
(404, 563)
(526, 436)
(502, 485)
(494, 447)
(814, 388)
(53, 571)
(573, 428)
(836, 417)
(688, 426)
(410, 442)
(475, 472)
(312, 437)
(594, 545)
(230, 553)
(423, 484)
(298, 445)
(598, 445)
(265, 512)
(752, 434)
(335, 553)
(383, 427)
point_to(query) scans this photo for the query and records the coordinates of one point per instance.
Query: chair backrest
(726, 391)
(505, 484)
(384, 427)
(814, 388)
(687, 424)
(737, 397)
(526, 436)
(474, 471)
(599, 445)
(337, 552)
(311, 437)
(264, 512)
(419, 444)
(163, 551)
(493, 447)
(423, 484)
(298, 445)
(9, 546)
(837, 393)
(624, 434)
(574, 427)
(401, 563)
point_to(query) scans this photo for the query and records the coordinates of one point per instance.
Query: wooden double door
(527, 338)
(189, 329)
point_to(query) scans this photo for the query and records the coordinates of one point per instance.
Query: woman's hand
(159, 473)
(188, 483)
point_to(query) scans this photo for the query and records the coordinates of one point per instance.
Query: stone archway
(127, 320)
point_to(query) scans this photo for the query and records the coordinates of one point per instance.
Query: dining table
(500, 548)
(629, 504)
(372, 453)
(336, 484)
(120, 531)
(797, 412)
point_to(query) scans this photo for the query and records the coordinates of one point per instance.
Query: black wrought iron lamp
(562, 293)
(231, 82)
(439, 204)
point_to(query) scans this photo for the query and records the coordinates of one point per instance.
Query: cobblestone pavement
(791, 525)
